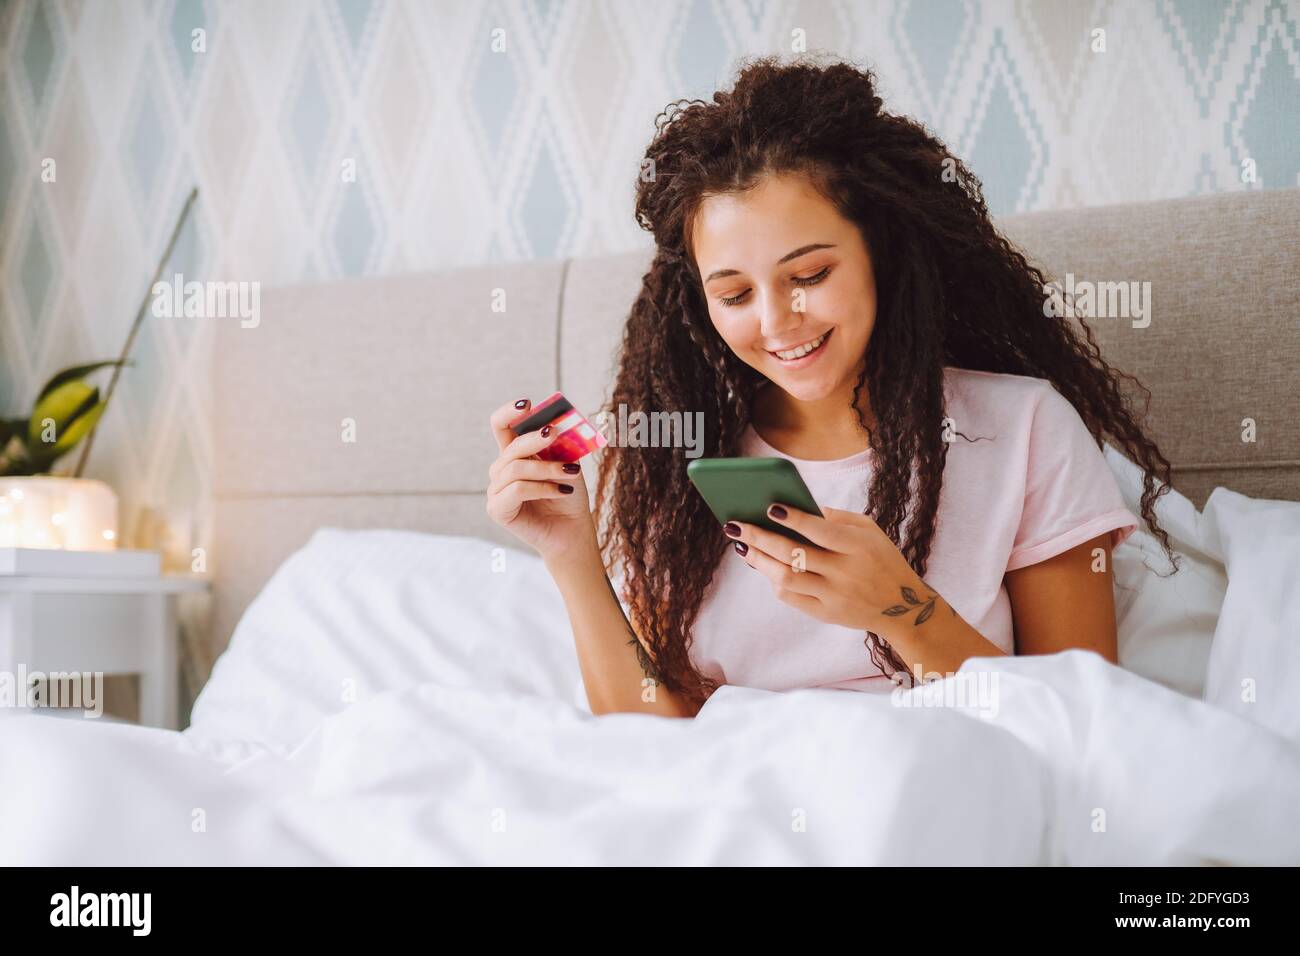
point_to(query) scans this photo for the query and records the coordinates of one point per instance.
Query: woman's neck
(823, 430)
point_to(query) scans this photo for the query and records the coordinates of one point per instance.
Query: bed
(394, 682)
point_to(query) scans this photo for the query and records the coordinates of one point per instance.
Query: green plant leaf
(78, 429)
(63, 405)
(13, 453)
(76, 371)
(13, 448)
(44, 455)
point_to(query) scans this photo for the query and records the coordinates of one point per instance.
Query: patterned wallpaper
(505, 130)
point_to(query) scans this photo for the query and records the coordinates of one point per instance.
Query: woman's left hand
(851, 574)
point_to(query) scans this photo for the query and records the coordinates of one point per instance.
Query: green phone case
(740, 489)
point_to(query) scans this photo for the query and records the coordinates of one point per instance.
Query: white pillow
(354, 613)
(1165, 620)
(1254, 667)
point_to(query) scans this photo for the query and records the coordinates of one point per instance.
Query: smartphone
(577, 436)
(740, 489)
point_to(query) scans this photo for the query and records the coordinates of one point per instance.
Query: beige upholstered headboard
(417, 362)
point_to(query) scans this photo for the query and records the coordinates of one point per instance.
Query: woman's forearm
(606, 643)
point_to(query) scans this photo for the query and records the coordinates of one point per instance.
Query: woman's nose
(778, 315)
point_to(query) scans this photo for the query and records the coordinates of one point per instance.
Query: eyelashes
(797, 280)
(812, 279)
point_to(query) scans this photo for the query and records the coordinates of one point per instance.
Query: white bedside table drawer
(93, 632)
(76, 626)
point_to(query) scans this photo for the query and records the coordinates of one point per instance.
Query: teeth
(802, 350)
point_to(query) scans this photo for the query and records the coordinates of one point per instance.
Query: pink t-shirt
(1036, 487)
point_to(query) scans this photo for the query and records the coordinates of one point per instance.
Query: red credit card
(577, 436)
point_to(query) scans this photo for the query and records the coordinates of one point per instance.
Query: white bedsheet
(368, 716)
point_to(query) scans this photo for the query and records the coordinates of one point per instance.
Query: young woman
(828, 287)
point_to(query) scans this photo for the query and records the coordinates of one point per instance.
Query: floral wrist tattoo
(913, 602)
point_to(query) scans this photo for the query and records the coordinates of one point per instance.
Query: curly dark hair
(952, 292)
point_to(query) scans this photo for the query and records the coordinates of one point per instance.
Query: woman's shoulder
(1029, 425)
(999, 397)
(994, 382)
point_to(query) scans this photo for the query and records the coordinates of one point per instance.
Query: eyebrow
(802, 250)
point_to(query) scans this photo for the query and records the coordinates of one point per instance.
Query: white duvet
(393, 697)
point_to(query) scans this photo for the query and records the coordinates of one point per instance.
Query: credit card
(577, 437)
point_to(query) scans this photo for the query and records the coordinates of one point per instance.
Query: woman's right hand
(527, 496)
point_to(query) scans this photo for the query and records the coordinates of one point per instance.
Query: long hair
(951, 292)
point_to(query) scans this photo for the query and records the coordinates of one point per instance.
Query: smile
(801, 351)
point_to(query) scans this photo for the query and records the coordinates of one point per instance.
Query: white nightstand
(95, 624)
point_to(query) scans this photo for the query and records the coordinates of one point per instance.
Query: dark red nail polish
(566, 489)
(742, 549)
(546, 430)
(777, 512)
(521, 403)
(572, 467)
(732, 529)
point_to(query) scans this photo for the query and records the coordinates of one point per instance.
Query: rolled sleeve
(1071, 496)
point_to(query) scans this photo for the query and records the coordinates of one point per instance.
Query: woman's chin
(804, 390)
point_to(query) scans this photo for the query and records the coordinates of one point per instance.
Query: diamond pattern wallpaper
(513, 129)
